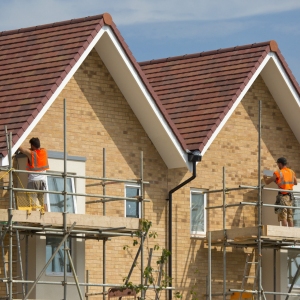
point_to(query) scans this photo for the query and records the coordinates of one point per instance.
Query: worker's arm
(268, 180)
(26, 151)
(295, 180)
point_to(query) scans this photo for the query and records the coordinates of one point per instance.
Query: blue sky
(162, 28)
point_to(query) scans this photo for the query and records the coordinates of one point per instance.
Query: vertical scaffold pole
(259, 288)
(274, 273)
(104, 212)
(224, 228)
(26, 262)
(87, 287)
(142, 216)
(209, 265)
(10, 214)
(65, 201)
(104, 176)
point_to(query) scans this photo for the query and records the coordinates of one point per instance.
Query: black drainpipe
(194, 158)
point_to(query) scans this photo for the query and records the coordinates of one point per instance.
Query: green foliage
(164, 257)
(178, 295)
(149, 273)
(153, 234)
(156, 247)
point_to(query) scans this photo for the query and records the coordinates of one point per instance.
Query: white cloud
(197, 10)
(20, 13)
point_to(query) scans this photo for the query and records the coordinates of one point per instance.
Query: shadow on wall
(194, 281)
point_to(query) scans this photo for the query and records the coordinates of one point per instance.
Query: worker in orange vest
(37, 161)
(285, 178)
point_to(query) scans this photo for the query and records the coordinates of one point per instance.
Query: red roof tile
(198, 90)
(35, 60)
(33, 63)
(193, 92)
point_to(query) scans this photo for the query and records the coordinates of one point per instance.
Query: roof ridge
(271, 43)
(105, 16)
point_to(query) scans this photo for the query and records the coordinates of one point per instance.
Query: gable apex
(200, 91)
(62, 47)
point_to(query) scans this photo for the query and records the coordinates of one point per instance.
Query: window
(56, 267)
(293, 262)
(56, 201)
(132, 208)
(297, 211)
(198, 212)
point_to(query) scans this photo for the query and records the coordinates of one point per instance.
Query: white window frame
(73, 191)
(60, 273)
(296, 286)
(138, 203)
(198, 233)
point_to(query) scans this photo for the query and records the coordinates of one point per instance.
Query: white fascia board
(234, 106)
(4, 160)
(285, 77)
(160, 118)
(283, 92)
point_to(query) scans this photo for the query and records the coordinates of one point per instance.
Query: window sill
(199, 236)
(60, 274)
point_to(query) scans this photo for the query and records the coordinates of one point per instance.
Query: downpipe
(193, 157)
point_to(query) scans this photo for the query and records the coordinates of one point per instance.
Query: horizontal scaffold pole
(72, 175)
(84, 284)
(252, 204)
(267, 293)
(80, 194)
(249, 187)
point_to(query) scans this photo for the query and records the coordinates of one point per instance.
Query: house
(169, 114)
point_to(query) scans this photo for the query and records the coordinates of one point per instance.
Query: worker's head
(35, 143)
(281, 162)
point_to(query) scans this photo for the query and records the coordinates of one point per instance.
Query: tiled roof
(198, 90)
(33, 63)
(193, 92)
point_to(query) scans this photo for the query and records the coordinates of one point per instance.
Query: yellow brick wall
(235, 148)
(99, 117)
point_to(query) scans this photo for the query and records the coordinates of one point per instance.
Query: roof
(181, 102)
(33, 62)
(199, 90)
(36, 63)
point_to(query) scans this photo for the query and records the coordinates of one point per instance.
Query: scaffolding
(257, 242)
(66, 229)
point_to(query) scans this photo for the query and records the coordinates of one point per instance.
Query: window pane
(57, 201)
(197, 212)
(297, 211)
(293, 264)
(132, 207)
(57, 264)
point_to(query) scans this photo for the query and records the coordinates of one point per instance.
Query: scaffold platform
(271, 236)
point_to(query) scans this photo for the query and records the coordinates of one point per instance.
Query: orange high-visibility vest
(39, 160)
(285, 179)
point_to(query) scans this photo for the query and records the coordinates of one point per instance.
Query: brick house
(168, 109)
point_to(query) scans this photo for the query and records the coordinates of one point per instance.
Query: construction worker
(285, 178)
(37, 162)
